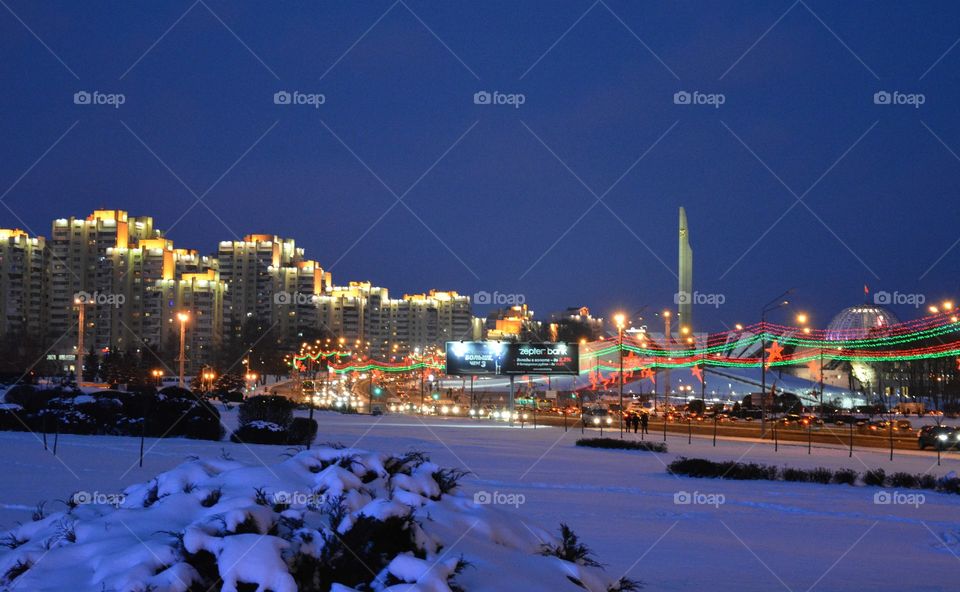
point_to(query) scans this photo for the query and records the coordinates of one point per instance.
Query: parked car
(938, 436)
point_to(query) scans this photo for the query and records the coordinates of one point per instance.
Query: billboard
(499, 358)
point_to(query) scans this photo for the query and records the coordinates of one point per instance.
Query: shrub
(302, 430)
(693, 467)
(175, 392)
(928, 481)
(821, 475)
(27, 397)
(268, 408)
(950, 485)
(906, 480)
(12, 420)
(623, 444)
(570, 548)
(845, 476)
(202, 422)
(747, 471)
(791, 474)
(260, 432)
(232, 397)
(875, 477)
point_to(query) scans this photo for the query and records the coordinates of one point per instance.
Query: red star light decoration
(815, 369)
(774, 353)
(649, 373)
(697, 372)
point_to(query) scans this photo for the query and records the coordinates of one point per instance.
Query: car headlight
(942, 437)
(609, 421)
(596, 421)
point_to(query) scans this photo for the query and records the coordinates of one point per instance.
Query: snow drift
(331, 518)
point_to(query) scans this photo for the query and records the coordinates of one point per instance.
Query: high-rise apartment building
(131, 282)
(23, 284)
(81, 263)
(248, 267)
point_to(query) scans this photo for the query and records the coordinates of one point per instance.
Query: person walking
(645, 422)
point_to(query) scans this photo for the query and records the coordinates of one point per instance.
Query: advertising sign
(498, 358)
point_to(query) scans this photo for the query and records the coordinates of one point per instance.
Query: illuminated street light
(81, 302)
(183, 317)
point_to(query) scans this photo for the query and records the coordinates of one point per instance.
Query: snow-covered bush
(618, 444)
(268, 419)
(876, 477)
(177, 413)
(845, 476)
(302, 430)
(260, 432)
(271, 408)
(338, 519)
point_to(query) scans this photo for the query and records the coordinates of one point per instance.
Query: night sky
(498, 198)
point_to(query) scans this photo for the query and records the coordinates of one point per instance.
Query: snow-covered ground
(733, 535)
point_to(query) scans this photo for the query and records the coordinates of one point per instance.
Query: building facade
(23, 284)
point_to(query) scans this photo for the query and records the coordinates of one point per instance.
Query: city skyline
(485, 302)
(503, 196)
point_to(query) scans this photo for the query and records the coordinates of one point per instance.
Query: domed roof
(857, 322)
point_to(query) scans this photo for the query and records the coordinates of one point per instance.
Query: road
(902, 440)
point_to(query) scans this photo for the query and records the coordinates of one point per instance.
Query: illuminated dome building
(858, 322)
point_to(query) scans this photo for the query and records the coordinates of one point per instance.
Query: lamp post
(81, 302)
(620, 320)
(774, 304)
(666, 346)
(182, 317)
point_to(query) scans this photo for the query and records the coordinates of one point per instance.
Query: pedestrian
(633, 423)
(645, 422)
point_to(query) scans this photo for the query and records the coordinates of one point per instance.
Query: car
(902, 425)
(843, 420)
(598, 417)
(938, 436)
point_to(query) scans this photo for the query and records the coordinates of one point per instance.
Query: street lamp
(81, 302)
(208, 376)
(778, 302)
(183, 317)
(620, 320)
